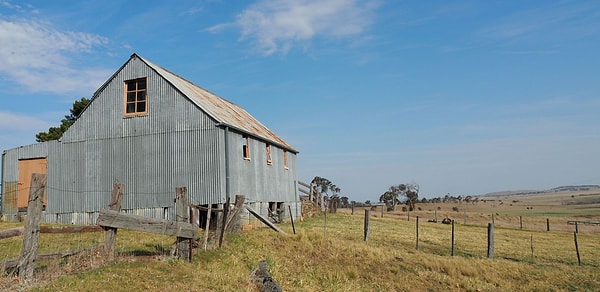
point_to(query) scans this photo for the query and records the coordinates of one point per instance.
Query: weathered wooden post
(31, 234)
(207, 227)
(367, 222)
(520, 222)
(224, 223)
(577, 248)
(352, 207)
(490, 247)
(417, 232)
(452, 237)
(184, 245)
(110, 233)
(547, 224)
(383, 206)
(292, 219)
(576, 227)
(531, 243)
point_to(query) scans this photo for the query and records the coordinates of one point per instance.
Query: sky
(460, 97)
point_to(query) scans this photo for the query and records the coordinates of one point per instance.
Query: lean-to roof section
(222, 110)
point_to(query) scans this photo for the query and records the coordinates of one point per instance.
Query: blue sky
(461, 97)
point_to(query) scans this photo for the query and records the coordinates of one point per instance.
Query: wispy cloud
(38, 56)
(275, 26)
(13, 122)
(552, 22)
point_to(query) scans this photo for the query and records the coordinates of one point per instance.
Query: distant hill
(579, 188)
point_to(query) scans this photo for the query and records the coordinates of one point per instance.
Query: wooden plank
(304, 191)
(70, 229)
(304, 184)
(202, 208)
(8, 233)
(10, 265)
(114, 219)
(264, 220)
(18, 231)
(31, 235)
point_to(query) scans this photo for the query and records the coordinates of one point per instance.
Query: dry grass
(333, 259)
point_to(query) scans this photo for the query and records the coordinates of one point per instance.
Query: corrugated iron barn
(154, 131)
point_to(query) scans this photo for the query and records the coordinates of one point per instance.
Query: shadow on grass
(153, 250)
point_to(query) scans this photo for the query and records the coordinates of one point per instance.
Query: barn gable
(163, 109)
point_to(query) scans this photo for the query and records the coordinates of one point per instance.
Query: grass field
(332, 256)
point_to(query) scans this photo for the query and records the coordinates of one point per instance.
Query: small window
(268, 151)
(285, 162)
(136, 98)
(246, 147)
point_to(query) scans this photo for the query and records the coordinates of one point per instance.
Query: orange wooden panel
(26, 168)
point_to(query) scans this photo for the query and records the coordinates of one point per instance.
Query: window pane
(130, 96)
(131, 85)
(130, 108)
(141, 107)
(141, 84)
(141, 95)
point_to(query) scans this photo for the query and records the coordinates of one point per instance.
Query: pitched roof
(223, 111)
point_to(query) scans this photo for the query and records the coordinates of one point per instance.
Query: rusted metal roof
(224, 111)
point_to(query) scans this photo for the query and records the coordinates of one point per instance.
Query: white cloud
(11, 122)
(277, 25)
(37, 56)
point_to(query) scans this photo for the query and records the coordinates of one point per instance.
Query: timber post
(31, 236)
(184, 245)
(110, 233)
(490, 245)
(367, 225)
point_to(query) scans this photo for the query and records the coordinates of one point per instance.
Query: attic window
(268, 151)
(136, 102)
(246, 147)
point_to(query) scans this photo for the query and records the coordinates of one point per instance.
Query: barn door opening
(27, 167)
(202, 216)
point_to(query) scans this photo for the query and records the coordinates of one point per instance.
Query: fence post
(417, 233)
(577, 248)
(352, 207)
(576, 227)
(547, 224)
(207, 226)
(382, 210)
(367, 223)
(531, 243)
(31, 234)
(452, 237)
(490, 247)
(184, 245)
(110, 234)
(292, 218)
(224, 221)
(520, 222)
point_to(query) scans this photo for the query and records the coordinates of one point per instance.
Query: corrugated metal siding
(257, 180)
